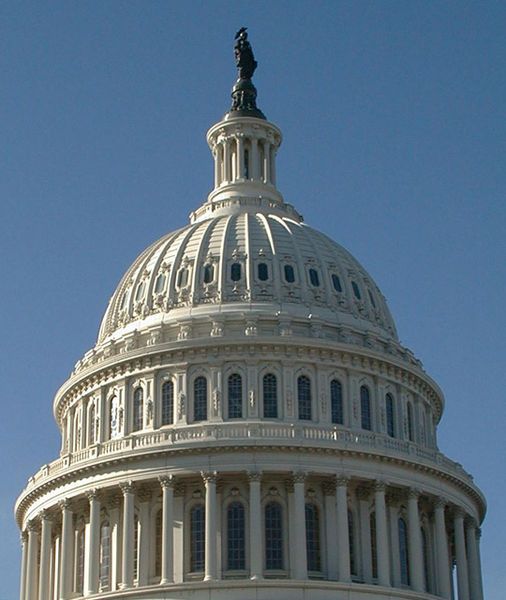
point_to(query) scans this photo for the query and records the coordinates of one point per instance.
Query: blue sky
(393, 115)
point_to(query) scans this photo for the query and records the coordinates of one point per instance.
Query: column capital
(380, 485)
(45, 515)
(413, 493)
(393, 497)
(478, 533)
(166, 481)
(440, 502)
(23, 537)
(299, 477)
(342, 480)
(65, 504)
(254, 476)
(32, 526)
(470, 522)
(127, 487)
(458, 512)
(93, 494)
(209, 477)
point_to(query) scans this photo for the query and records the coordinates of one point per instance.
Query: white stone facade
(249, 425)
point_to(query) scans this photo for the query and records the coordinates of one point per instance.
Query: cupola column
(363, 494)
(415, 542)
(460, 555)
(240, 158)
(267, 162)
(92, 558)
(227, 176)
(167, 575)
(24, 558)
(31, 568)
(144, 496)
(253, 169)
(67, 550)
(45, 556)
(210, 544)
(381, 534)
(127, 566)
(255, 521)
(473, 562)
(299, 527)
(343, 534)
(443, 570)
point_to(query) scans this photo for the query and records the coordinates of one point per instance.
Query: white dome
(251, 257)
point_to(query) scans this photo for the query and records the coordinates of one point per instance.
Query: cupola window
(246, 163)
(235, 272)
(167, 403)
(236, 537)
(365, 408)
(371, 298)
(159, 284)
(140, 291)
(200, 399)
(197, 538)
(356, 290)
(263, 272)
(304, 397)
(336, 402)
(313, 538)
(403, 551)
(270, 389)
(273, 536)
(336, 282)
(208, 273)
(182, 278)
(289, 274)
(389, 402)
(314, 278)
(235, 396)
(138, 409)
(122, 306)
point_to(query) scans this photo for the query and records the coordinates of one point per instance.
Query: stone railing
(251, 432)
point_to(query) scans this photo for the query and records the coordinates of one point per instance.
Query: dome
(255, 258)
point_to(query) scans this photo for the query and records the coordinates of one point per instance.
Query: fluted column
(473, 561)
(32, 566)
(144, 497)
(299, 517)
(210, 542)
(343, 534)
(167, 575)
(255, 526)
(127, 563)
(45, 556)
(92, 559)
(67, 550)
(217, 165)
(226, 161)
(444, 586)
(24, 559)
(415, 543)
(329, 490)
(382, 552)
(460, 555)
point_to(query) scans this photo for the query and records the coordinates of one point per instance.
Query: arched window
(336, 282)
(105, 556)
(208, 273)
(336, 402)
(200, 399)
(304, 397)
(140, 291)
(371, 298)
(235, 396)
(411, 424)
(158, 543)
(115, 417)
(263, 272)
(197, 538)
(314, 278)
(235, 272)
(351, 542)
(182, 277)
(167, 403)
(365, 408)
(313, 538)
(374, 554)
(138, 409)
(80, 562)
(273, 536)
(403, 551)
(270, 390)
(289, 274)
(91, 424)
(389, 403)
(356, 290)
(159, 283)
(236, 539)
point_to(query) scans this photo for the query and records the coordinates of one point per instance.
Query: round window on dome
(208, 273)
(336, 282)
(289, 274)
(235, 272)
(356, 290)
(314, 278)
(263, 272)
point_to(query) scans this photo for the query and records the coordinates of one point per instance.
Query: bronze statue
(244, 58)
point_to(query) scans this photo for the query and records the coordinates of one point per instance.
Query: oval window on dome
(208, 273)
(371, 297)
(336, 282)
(314, 278)
(140, 291)
(182, 277)
(289, 274)
(356, 290)
(235, 272)
(160, 284)
(263, 272)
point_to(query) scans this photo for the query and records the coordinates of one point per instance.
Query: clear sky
(394, 124)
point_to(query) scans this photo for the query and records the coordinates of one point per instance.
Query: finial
(244, 92)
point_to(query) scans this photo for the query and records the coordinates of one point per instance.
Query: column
(460, 555)
(255, 526)
(267, 161)
(70, 430)
(32, 567)
(444, 586)
(415, 543)
(382, 551)
(217, 165)
(240, 157)
(67, 550)
(167, 575)
(343, 534)
(127, 563)
(393, 511)
(299, 520)
(144, 497)
(473, 561)
(254, 159)
(179, 532)
(92, 559)
(226, 161)
(114, 521)
(56, 568)
(478, 557)
(273, 165)
(45, 556)
(365, 533)
(329, 490)
(210, 545)
(24, 558)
